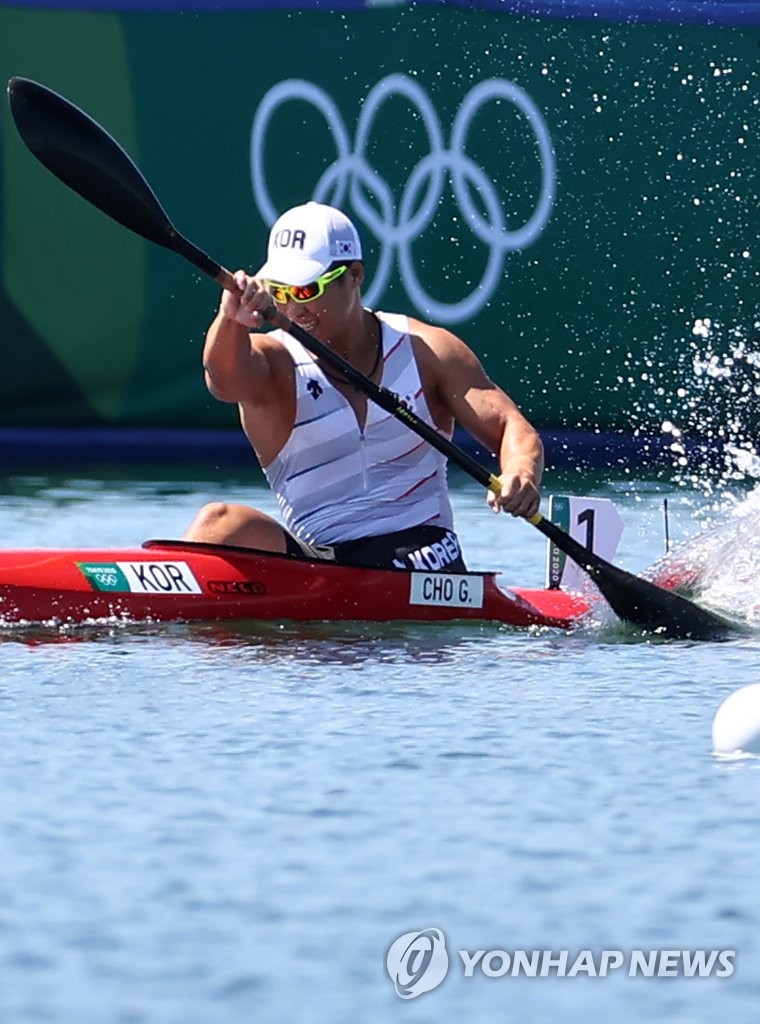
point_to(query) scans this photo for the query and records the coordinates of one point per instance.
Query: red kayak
(178, 581)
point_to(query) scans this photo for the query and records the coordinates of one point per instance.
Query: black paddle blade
(86, 158)
(82, 154)
(639, 601)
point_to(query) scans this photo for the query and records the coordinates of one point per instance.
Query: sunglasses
(304, 292)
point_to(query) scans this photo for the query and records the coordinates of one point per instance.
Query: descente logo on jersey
(141, 577)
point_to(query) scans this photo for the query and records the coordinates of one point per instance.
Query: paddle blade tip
(15, 84)
(19, 87)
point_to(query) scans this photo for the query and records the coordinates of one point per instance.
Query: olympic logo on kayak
(350, 178)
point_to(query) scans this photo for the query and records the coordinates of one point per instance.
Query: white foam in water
(733, 570)
(721, 564)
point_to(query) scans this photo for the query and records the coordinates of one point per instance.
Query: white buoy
(736, 726)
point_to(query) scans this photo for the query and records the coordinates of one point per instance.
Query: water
(203, 824)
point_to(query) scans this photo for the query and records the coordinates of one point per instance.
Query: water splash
(709, 402)
(720, 566)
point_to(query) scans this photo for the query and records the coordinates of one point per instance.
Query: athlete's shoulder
(438, 341)
(280, 346)
(404, 324)
(398, 322)
(272, 338)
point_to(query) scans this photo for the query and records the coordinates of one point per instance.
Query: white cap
(305, 241)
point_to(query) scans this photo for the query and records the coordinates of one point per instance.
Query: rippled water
(204, 824)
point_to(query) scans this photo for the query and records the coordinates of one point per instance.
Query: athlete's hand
(247, 305)
(519, 495)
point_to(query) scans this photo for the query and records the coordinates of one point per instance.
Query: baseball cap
(305, 241)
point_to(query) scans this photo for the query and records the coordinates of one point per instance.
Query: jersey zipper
(363, 460)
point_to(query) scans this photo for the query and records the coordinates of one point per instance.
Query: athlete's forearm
(522, 451)
(230, 362)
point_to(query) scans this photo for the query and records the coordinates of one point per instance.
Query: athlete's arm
(460, 389)
(252, 369)
(237, 363)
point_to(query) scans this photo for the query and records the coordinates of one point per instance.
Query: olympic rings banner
(395, 223)
(575, 197)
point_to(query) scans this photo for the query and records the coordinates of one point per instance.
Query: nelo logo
(252, 587)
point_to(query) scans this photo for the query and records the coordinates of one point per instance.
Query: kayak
(178, 581)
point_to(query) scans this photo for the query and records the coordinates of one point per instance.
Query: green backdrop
(570, 196)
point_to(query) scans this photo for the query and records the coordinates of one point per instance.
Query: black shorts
(421, 548)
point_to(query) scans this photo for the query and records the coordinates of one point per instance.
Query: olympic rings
(350, 178)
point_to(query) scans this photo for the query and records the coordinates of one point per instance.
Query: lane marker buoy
(736, 726)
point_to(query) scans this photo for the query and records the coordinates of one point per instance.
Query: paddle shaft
(387, 400)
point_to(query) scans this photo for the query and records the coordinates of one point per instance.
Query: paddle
(76, 149)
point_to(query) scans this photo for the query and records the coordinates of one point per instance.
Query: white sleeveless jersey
(335, 482)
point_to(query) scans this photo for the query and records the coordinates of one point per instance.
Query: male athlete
(354, 484)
